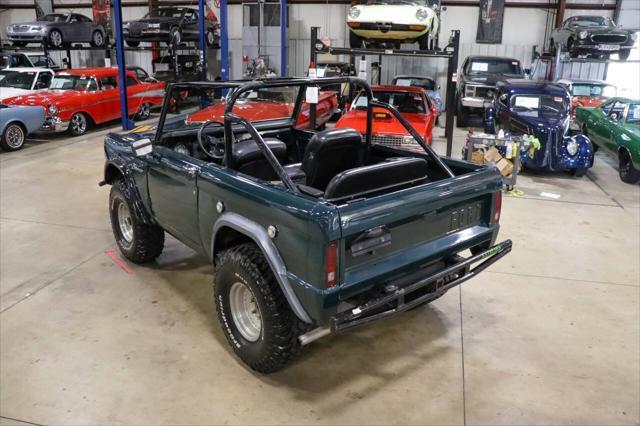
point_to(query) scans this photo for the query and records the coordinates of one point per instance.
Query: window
(633, 115)
(141, 74)
(44, 79)
(271, 15)
(493, 66)
(131, 81)
(404, 102)
(617, 111)
(17, 80)
(73, 82)
(190, 16)
(109, 83)
(54, 17)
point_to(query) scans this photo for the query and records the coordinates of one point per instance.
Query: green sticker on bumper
(493, 251)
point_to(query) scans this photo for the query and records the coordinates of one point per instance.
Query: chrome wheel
(245, 311)
(14, 136)
(211, 38)
(176, 37)
(98, 39)
(78, 124)
(55, 38)
(125, 223)
(145, 111)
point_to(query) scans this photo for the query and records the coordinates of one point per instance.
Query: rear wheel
(211, 38)
(13, 137)
(628, 173)
(355, 41)
(254, 314)
(175, 36)
(137, 241)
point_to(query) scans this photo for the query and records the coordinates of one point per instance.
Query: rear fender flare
(118, 169)
(259, 236)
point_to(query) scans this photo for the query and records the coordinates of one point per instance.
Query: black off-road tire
(462, 114)
(627, 172)
(147, 241)
(277, 344)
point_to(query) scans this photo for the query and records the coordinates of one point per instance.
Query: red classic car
(412, 102)
(588, 93)
(272, 104)
(80, 97)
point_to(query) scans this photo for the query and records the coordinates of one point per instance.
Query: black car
(477, 82)
(592, 35)
(171, 25)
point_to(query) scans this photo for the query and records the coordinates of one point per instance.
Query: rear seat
(393, 175)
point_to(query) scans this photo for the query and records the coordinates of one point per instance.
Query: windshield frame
(566, 103)
(76, 78)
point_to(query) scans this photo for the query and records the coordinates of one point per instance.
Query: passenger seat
(250, 160)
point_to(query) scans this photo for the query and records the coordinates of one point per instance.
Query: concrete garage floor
(549, 335)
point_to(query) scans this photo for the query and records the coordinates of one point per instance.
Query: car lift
(555, 63)
(450, 53)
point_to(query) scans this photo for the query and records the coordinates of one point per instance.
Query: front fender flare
(259, 235)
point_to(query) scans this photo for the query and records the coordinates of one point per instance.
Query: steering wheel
(217, 152)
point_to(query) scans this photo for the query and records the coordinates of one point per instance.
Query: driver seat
(249, 159)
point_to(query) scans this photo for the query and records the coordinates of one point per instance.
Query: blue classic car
(16, 122)
(540, 109)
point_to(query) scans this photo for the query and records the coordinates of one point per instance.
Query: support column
(127, 124)
(224, 41)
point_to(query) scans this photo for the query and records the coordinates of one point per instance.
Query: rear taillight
(331, 265)
(497, 206)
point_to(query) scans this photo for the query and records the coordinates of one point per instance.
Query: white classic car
(23, 81)
(392, 21)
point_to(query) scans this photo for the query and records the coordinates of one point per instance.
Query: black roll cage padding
(240, 87)
(413, 133)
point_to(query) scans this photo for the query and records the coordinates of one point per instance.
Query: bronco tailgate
(383, 237)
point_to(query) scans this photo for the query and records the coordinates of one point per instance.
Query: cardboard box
(505, 166)
(492, 155)
(477, 157)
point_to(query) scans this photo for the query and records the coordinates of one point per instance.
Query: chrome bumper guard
(399, 299)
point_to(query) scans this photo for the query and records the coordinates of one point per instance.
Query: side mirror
(614, 116)
(142, 147)
(527, 71)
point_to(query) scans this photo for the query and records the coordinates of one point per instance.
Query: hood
(44, 98)
(542, 120)
(357, 119)
(252, 111)
(490, 79)
(603, 30)
(10, 92)
(39, 23)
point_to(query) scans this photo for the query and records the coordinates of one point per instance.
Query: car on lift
(18, 122)
(615, 127)
(477, 82)
(540, 109)
(58, 30)
(589, 93)
(411, 102)
(9, 59)
(172, 25)
(310, 232)
(79, 98)
(393, 22)
(23, 81)
(42, 60)
(427, 83)
(591, 35)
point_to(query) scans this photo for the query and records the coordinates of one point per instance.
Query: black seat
(328, 153)
(382, 177)
(251, 161)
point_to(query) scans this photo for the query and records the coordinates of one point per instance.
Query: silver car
(58, 30)
(16, 123)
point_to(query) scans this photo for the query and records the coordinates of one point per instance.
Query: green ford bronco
(310, 232)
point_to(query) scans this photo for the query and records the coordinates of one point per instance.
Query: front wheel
(55, 38)
(175, 37)
(137, 241)
(628, 173)
(13, 137)
(624, 54)
(211, 38)
(97, 39)
(579, 172)
(78, 125)
(423, 42)
(254, 314)
(355, 41)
